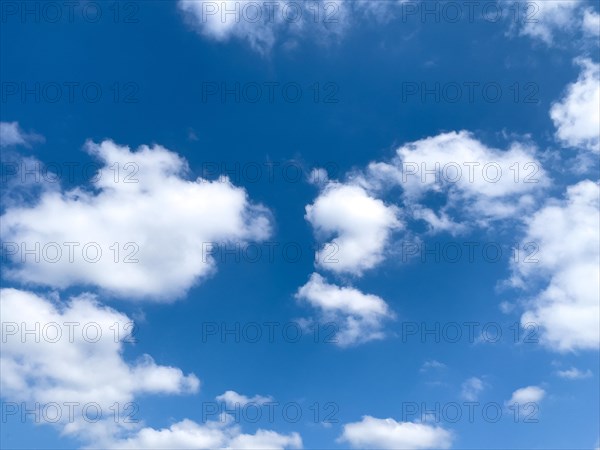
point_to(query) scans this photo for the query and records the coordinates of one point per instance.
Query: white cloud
(80, 366)
(362, 225)
(371, 432)
(529, 394)
(359, 316)
(480, 182)
(544, 19)
(566, 233)
(264, 24)
(159, 218)
(550, 21)
(188, 434)
(471, 389)
(574, 374)
(74, 353)
(577, 115)
(11, 134)
(24, 179)
(591, 23)
(380, 11)
(222, 20)
(233, 399)
(506, 307)
(432, 364)
(438, 223)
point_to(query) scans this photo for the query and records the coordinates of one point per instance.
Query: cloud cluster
(142, 232)
(58, 352)
(480, 184)
(71, 353)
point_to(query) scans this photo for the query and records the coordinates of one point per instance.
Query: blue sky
(397, 172)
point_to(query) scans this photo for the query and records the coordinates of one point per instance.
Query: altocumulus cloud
(160, 221)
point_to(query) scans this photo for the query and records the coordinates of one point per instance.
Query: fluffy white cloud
(574, 374)
(11, 134)
(566, 233)
(371, 432)
(59, 352)
(358, 316)
(577, 115)
(480, 182)
(188, 434)
(163, 225)
(529, 394)
(233, 399)
(471, 389)
(544, 19)
(361, 223)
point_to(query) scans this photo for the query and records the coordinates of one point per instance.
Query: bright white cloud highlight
(577, 115)
(361, 224)
(567, 309)
(162, 222)
(371, 432)
(358, 316)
